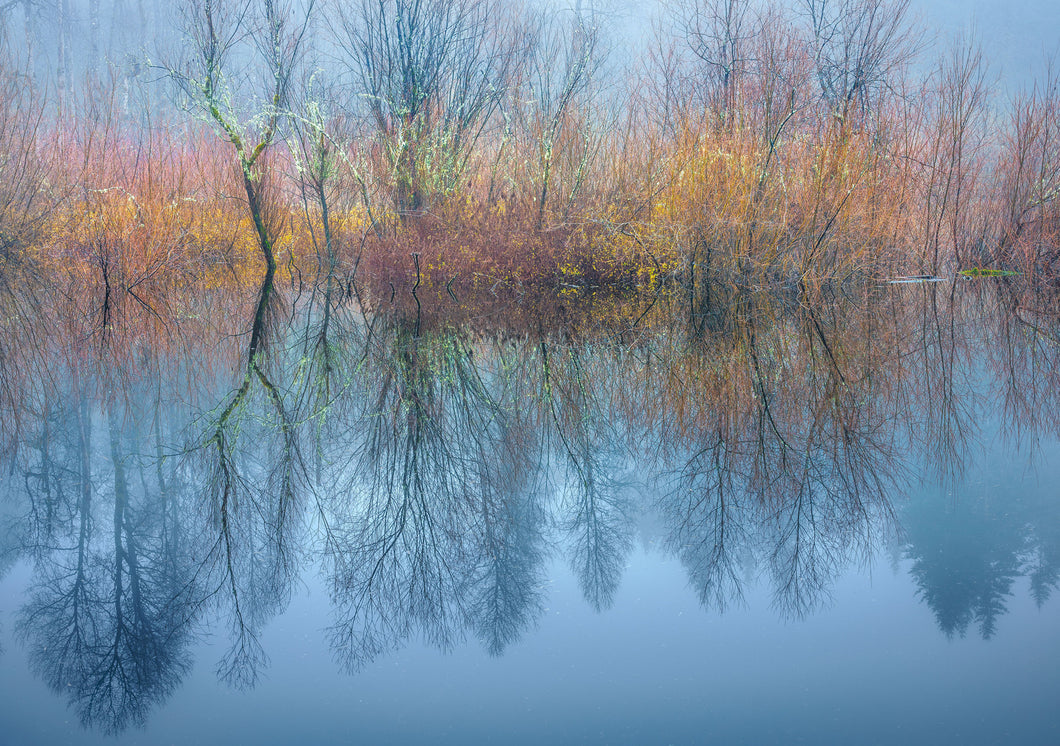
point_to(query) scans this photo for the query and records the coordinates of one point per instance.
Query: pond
(828, 516)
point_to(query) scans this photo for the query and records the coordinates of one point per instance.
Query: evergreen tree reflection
(965, 561)
(969, 550)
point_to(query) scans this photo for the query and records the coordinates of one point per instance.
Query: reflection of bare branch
(507, 589)
(107, 621)
(598, 516)
(945, 395)
(438, 477)
(708, 525)
(598, 520)
(255, 487)
(795, 472)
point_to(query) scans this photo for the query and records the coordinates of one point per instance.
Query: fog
(1017, 40)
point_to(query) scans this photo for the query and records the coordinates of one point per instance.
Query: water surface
(748, 517)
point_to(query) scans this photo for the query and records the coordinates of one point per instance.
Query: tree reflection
(435, 526)
(782, 452)
(967, 552)
(252, 492)
(108, 619)
(1026, 357)
(939, 380)
(965, 561)
(255, 479)
(1027, 360)
(597, 514)
(1042, 557)
(455, 450)
(506, 593)
(708, 522)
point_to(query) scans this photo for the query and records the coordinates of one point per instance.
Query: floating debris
(982, 272)
(916, 279)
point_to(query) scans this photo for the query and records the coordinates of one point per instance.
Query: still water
(744, 517)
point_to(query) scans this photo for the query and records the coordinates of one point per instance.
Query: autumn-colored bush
(769, 166)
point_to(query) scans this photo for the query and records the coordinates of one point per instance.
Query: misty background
(1017, 39)
(128, 37)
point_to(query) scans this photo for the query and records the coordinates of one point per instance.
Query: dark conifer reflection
(970, 550)
(964, 563)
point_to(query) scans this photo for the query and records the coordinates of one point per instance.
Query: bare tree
(718, 33)
(214, 81)
(219, 82)
(24, 200)
(566, 56)
(431, 74)
(1030, 184)
(858, 47)
(317, 149)
(221, 35)
(954, 166)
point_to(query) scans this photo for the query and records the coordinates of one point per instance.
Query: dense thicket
(486, 141)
